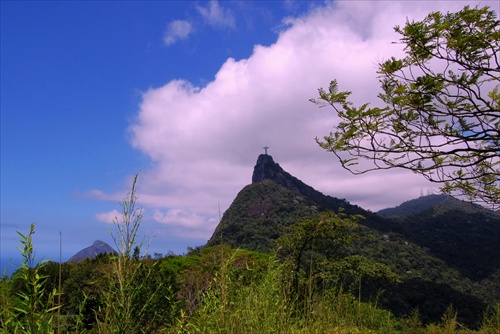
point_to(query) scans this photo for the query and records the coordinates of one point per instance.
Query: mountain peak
(98, 247)
(98, 243)
(267, 169)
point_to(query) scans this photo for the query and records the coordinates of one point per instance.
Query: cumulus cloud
(204, 141)
(217, 16)
(177, 30)
(185, 223)
(108, 217)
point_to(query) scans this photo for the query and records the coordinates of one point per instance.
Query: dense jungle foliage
(279, 262)
(287, 259)
(313, 283)
(444, 255)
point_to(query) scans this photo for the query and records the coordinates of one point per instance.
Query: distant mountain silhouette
(424, 203)
(98, 247)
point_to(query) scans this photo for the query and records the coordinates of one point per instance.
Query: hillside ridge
(425, 203)
(266, 168)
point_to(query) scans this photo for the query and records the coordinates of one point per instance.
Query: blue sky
(187, 93)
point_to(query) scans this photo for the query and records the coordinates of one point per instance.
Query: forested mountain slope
(445, 251)
(424, 203)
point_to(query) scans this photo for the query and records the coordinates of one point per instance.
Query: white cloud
(99, 195)
(108, 217)
(217, 16)
(185, 223)
(204, 141)
(177, 30)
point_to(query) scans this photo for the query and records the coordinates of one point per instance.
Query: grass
(263, 305)
(232, 301)
(32, 308)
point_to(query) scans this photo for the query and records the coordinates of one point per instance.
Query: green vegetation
(285, 259)
(217, 290)
(316, 249)
(326, 273)
(31, 307)
(441, 104)
(443, 255)
(135, 297)
(259, 215)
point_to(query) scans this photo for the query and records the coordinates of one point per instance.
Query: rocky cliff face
(267, 169)
(275, 200)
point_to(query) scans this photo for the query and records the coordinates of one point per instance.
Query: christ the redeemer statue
(265, 148)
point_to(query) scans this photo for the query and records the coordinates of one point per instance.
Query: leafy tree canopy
(441, 117)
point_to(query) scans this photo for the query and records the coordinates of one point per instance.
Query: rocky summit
(265, 209)
(266, 168)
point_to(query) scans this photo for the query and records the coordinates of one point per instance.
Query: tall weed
(32, 308)
(491, 321)
(130, 295)
(264, 306)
